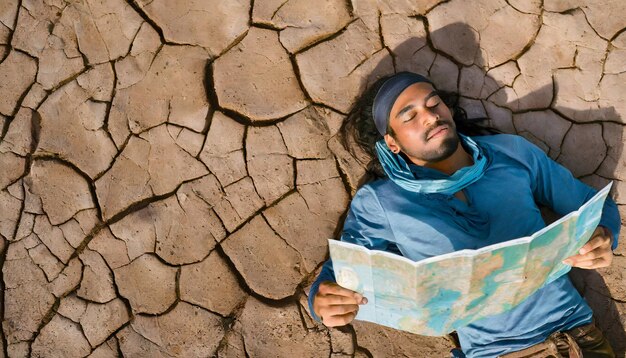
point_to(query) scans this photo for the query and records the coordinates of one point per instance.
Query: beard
(446, 148)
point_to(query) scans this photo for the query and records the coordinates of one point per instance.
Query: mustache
(438, 123)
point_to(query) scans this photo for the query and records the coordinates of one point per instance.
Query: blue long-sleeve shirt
(501, 206)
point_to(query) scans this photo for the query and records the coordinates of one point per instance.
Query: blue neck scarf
(399, 171)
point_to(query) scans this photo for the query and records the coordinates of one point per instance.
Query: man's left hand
(596, 253)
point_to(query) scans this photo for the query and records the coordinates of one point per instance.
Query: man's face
(423, 125)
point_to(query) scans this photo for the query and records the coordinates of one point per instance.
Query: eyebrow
(411, 106)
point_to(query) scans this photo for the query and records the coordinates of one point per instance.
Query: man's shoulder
(373, 187)
(377, 189)
(501, 139)
(508, 144)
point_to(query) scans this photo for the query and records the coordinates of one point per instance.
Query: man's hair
(358, 128)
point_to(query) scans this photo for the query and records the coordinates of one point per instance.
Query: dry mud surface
(170, 170)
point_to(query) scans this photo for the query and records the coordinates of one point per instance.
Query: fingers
(598, 240)
(599, 257)
(339, 300)
(594, 259)
(331, 288)
(341, 320)
(336, 305)
(595, 253)
(334, 314)
(339, 310)
(594, 263)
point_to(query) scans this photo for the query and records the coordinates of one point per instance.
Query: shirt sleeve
(556, 187)
(365, 225)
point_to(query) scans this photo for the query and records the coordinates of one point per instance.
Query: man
(443, 192)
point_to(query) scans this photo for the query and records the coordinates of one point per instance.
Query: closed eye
(434, 105)
(409, 118)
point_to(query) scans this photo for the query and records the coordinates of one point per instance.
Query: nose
(430, 118)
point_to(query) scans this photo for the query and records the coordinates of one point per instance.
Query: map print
(437, 295)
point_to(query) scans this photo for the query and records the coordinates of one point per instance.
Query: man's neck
(459, 159)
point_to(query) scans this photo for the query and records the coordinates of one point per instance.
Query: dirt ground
(170, 171)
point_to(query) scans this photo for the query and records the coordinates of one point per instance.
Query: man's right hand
(335, 305)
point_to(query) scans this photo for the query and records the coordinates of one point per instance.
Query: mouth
(438, 131)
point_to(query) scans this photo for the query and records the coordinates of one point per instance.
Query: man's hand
(335, 305)
(596, 253)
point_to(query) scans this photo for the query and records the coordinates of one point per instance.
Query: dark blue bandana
(387, 95)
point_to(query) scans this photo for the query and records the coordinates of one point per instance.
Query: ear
(391, 144)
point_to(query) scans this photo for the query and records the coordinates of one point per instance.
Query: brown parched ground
(170, 171)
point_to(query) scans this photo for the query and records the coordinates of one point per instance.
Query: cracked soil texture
(170, 171)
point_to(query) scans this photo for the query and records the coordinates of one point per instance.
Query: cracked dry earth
(170, 170)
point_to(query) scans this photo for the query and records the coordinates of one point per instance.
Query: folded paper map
(437, 295)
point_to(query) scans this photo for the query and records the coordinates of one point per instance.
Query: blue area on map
(439, 304)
